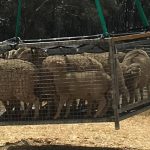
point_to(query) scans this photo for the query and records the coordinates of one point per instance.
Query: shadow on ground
(54, 147)
(25, 146)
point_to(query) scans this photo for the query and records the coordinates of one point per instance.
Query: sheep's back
(82, 63)
(17, 79)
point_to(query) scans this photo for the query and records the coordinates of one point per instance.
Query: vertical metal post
(102, 19)
(141, 13)
(115, 85)
(18, 21)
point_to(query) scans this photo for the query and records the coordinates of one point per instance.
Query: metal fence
(75, 80)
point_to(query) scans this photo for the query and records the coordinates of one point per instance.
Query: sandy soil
(134, 133)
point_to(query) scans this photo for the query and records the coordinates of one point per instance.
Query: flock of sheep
(28, 75)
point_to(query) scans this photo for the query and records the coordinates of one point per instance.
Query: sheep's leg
(102, 104)
(136, 95)
(36, 113)
(89, 111)
(59, 108)
(48, 109)
(17, 106)
(74, 104)
(125, 95)
(69, 102)
(81, 104)
(148, 91)
(25, 106)
(94, 106)
(8, 107)
(22, 104)
(56, 100)
(124, 100)
(26, 111)
(141, 93)
(132, 96)
(123, 90)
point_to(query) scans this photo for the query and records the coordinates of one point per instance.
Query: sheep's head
(37, 55)
(34, 55)
(55, 64)
(131, 70)
(134, 69)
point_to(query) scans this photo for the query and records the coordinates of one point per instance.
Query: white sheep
(88, 82)
(17, 81)
(104, 59)
(136, 71)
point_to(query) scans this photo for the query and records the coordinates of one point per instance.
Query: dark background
(59, 18)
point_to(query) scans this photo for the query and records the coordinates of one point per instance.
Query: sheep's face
(34, 55)
(38, 53)
(132, 74)
(55, 67)
(134, 69)
(37, 56)
(60, 67)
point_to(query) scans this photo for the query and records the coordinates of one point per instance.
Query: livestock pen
(71, 90)
(76, 80)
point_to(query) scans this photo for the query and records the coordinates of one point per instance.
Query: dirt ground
(133, 135)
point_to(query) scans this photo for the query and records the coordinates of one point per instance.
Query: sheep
(135, 68)
(90, 79)
(10, 104)
(17, 81)
(44, 88)
(13, 54)
(104, 59)
(34, 55)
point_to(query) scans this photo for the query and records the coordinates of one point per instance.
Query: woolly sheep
(44, 88)
(104, 59)
(136, 71)
(94, 84)
(17, 80)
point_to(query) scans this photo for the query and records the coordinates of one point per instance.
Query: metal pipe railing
(102, 19)
(142, 13)
(18, 20)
